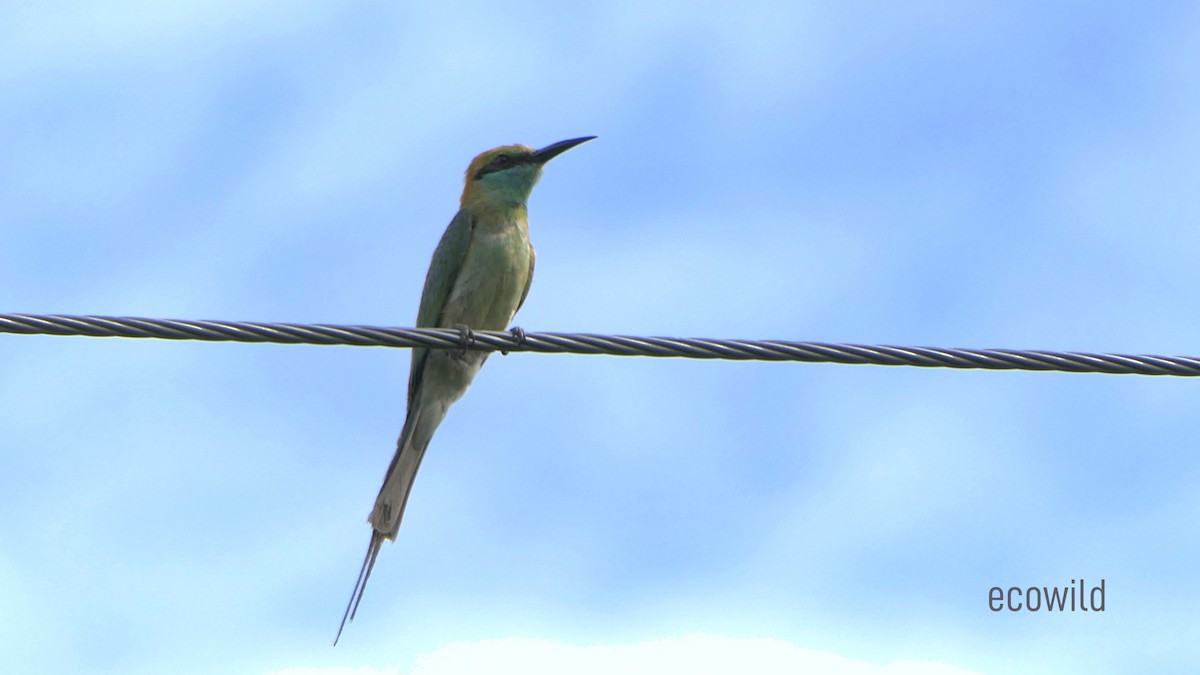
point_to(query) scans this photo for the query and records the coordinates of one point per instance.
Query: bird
(478, 279)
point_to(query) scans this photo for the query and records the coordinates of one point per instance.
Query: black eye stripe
(497, 165)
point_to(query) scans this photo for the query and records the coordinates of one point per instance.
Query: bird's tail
(360, 585)
(393, 496)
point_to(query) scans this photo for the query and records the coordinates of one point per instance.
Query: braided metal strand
(614, 345)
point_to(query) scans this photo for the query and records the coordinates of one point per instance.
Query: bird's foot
(518, 334)
(466, 337)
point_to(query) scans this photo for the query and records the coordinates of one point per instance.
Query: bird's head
(507, 174)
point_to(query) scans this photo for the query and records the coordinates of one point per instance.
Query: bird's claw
(466, 337)
(518, 334)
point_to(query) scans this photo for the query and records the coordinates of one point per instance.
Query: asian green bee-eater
(478, 279)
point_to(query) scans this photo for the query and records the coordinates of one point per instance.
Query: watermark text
(1074, 597)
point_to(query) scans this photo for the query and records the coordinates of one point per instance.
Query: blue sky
(1017, 175)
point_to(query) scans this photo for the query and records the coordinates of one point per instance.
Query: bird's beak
(555, 149)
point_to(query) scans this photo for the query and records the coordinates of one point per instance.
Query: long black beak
(555, 149)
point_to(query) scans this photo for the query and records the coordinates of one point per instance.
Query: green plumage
(478, 279)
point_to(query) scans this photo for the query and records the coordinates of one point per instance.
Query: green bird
(478, 279)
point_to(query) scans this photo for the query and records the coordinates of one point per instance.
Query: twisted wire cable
(614, 345)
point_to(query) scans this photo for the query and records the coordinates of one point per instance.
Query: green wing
(529, 279)
(443, 272)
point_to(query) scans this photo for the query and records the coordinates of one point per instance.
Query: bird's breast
(492, 278)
